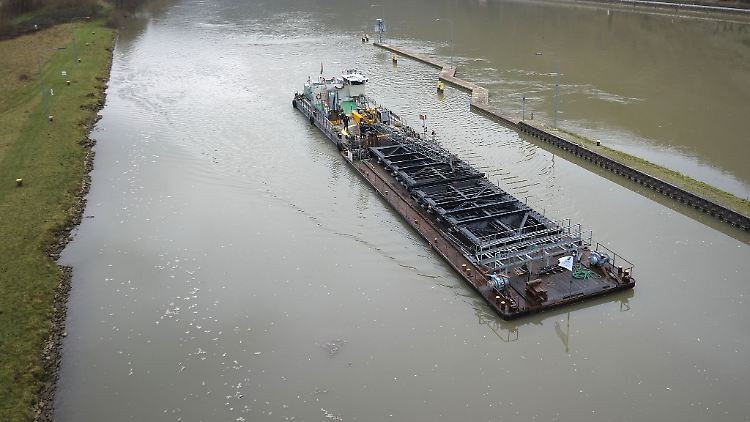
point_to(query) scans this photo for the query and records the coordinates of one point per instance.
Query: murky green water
(233, 268)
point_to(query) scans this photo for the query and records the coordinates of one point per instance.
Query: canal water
(231, 267)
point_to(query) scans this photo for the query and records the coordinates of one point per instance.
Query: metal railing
(568, 238)
(325, 125)
(617, 260)
(418, 145)
(544, 224)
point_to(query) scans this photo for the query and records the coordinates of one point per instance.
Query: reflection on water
(234, 268)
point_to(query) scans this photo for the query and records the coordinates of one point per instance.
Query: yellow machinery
(356, 116)
(366, 116)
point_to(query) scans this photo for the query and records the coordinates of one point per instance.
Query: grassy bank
(678, 179)
(51, 158)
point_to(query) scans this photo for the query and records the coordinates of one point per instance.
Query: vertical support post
(45, 106)
(557, 92)
(451, 40)
(452, 36)
(75, 49)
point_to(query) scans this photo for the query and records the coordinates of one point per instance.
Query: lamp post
(382, 17)
(523, 108)
(450, 22)
(557, 90)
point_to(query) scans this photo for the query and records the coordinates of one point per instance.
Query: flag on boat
(566, 262)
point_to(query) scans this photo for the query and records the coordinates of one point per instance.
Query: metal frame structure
(495, 228)
(427, 148)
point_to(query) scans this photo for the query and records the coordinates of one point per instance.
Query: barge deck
(518, 260)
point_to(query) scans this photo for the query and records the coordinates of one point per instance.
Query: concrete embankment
(700, 6)
(480, 102)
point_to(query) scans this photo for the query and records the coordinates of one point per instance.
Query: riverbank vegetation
(23, 16)
(19, 17)
(44, 143)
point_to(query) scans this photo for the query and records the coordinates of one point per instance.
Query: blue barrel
(498, 283)
(594, 258)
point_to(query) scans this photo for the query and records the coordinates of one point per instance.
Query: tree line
(20, 16)
(15, 8)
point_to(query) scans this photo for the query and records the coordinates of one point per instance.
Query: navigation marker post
(380, 23)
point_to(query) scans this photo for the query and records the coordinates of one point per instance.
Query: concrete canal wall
(480, 102)
(704, 6)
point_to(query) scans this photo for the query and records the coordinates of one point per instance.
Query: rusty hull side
(509, 304)
(400, 200)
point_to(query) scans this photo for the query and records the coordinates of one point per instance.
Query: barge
(517, 259)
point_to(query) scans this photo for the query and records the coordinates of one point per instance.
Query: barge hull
(514, 302)
(435, 238)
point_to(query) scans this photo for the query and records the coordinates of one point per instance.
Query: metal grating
(495, 228)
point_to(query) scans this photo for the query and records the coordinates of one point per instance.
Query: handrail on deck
(615, 257)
